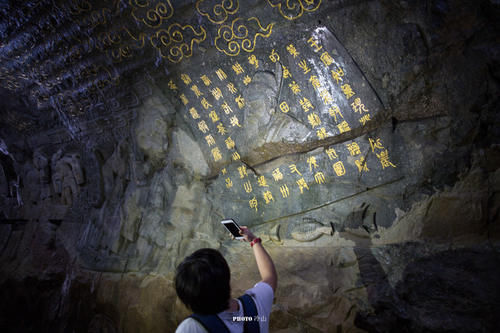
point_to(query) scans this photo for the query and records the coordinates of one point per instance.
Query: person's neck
(233, 305)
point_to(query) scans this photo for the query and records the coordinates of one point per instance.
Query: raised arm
(264, 262)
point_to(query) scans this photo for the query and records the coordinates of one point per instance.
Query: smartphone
(233, 228)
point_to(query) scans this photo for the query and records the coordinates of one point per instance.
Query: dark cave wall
(99, 206)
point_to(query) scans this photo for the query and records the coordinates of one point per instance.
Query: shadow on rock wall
(449, 291)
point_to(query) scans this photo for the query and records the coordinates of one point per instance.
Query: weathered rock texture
(130, 129)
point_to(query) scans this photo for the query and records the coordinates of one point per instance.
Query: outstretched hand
(247, 234)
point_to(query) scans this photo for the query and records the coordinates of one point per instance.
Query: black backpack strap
(211, 323)
(250, 310)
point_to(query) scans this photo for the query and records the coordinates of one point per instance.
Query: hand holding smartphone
(233, 228)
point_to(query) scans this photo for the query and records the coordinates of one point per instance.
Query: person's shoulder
(262, 288)
(190, 325)
(262, 292)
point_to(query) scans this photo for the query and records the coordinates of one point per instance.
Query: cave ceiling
(80, 65)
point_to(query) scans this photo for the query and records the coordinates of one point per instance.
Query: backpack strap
(250, 310)
(212, 323)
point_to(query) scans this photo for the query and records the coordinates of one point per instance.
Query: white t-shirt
(262, 294)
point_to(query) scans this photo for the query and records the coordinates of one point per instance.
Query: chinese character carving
(221, 129)
(321, 133)
(226, 108)
(353, 149)
(203, 127)
(196, 90)
(277, 175)
(314, 43)
(268, 196)
(234, 121)
(339, 169)
(344, 127)
(375, 144)
(172, 85)
(232, 89)
(357, 106)
(337, 75)
(210, 140)
(184, 99)
(361, 164)
(302, 185)
(240, 101)
(331, 153)
(306, 104)
(216, 154)
(292, 50)
(326, 58)
(206, 80)
(284, 191)
(253, 203)
(229, 143)
(334, 111)
(213, 115)
(313, 79)
(262, 181)
(243, 171)
(186, 79)
(238, 69)
(221, 74)
(311, 160)
(284, 107)
(247, 186)
(347, 90)
(205, 103)
(274, 56)
(217, 93)
(294, 86)
(314, 120)
(304, 66)
(363, 120)
(194, 113)
(319, 177)
(253, 61)
(384, 159)
(293, 169)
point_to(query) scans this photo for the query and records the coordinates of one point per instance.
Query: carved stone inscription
(321, 100)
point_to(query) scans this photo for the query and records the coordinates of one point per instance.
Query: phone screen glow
(233, 229)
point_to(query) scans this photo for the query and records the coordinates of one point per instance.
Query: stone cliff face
(360, 140)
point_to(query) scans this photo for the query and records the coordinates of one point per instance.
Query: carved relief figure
(41, 164)
(67, 176)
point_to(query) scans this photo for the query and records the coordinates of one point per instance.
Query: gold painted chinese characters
(215, 103)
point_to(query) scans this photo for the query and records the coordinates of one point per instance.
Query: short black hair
(202, 282)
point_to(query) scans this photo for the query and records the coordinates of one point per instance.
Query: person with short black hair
(202, 282)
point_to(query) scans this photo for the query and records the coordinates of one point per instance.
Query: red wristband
(255, 241)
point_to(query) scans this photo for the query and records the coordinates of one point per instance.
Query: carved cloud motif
(124, 45)
(151, 14)
(219, 13)
(241, 35)
(177, 41)
(293, 9)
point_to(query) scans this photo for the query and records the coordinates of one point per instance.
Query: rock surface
(360, 140)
